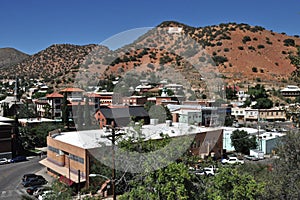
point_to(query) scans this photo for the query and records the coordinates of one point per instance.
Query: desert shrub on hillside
(260, 46)
(254, 69)
(289, 42)
(219, 59)
(246, 39)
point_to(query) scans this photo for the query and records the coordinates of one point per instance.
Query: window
(57, 101)
(76, 158)
(53, 149)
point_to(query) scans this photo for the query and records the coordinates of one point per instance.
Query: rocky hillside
(240, 53)
(56, 65)
(11, 56)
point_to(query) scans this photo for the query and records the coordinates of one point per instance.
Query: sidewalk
(44, 173)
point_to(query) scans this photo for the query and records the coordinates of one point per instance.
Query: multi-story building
(238, 113)
(290, 91)
(55, 101)
(69, 154)
(7, 138)
(265, 115)
(134, 100)
(121, 116)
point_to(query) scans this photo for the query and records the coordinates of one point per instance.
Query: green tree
(228, 120)
(171, 182)
(263, 103)
(65, 111)
(87, 115)
(36, 136)
(230, 184)
(258, 91)
(79, 116)
(284, 181)
(47, 109)
(231, 93)
(242, 141)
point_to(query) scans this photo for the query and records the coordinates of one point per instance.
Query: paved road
(10, 177)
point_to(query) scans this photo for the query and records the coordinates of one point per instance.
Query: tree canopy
(242, 141)
(229, 184)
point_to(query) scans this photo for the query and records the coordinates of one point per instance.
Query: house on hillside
(274, 114)
(9, 105)
(55, 101)
(73, 94)
(121, 116)
(290, 91)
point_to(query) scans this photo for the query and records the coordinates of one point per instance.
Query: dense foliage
(242, 141)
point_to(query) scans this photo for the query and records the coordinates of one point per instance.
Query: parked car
(3, 161)
(32, 189)
(257, 153)
(250, 157)
(18, 159)
(49, 194)
(208, 171)
(34, 181)
(232, 160)
(29, 176)
(40, 190)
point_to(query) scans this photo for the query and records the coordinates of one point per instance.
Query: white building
(242, 96)
(290, 90)
(227, 131)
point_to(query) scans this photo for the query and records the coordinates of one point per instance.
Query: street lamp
(94, 175)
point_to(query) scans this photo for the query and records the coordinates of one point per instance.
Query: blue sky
(33, 25)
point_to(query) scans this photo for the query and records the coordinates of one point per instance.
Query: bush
(241, 48)
(246, 39)
(269, 42)
(289, 42)
(254, 69)
(260, 46)
(219, 44)
(219, 59)
(251, 48)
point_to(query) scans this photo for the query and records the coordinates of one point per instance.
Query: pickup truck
(232, 160)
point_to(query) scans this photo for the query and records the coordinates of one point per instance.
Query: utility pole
(113, 138)
(79, 184)
(15, 135)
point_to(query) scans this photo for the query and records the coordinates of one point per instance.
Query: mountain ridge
(241, 53)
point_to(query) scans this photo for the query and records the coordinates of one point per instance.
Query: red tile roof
(93, 95)
(72, 90)
(54, 95)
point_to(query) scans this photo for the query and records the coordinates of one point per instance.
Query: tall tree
(79, 116)
(284, 181)
(242, 141)
(229, 184)
(65, 111)
(87, 115)
(171, 182)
